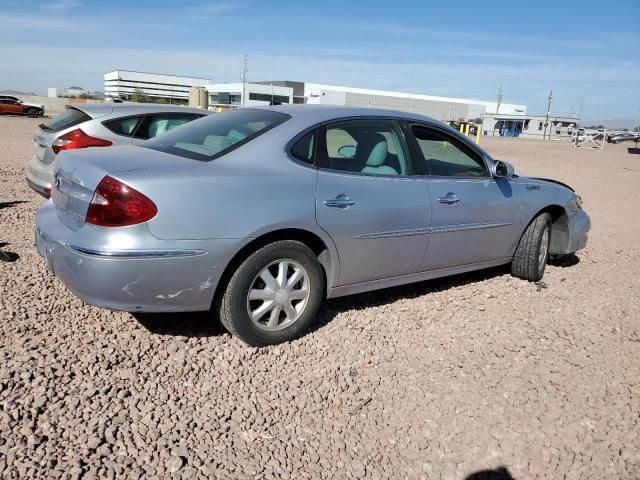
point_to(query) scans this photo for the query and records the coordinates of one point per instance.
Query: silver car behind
(107, 124)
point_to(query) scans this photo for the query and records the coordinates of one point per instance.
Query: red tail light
(77, 139)
(116, 204)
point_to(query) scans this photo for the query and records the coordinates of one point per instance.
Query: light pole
(244, 81)
(546, 118)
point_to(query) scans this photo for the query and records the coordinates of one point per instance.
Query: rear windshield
(217, 134)
(70, 118)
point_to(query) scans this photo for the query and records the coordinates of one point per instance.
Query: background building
(298, 88)
(157, 87)
(529, 126)
(54, 92)
(440, 108)
(225, 95)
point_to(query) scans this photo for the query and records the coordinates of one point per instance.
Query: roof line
(161, 74)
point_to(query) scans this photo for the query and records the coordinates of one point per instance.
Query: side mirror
(348, 151)
(502, 169)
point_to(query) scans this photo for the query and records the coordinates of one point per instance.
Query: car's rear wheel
(532, 253)
(274, 294)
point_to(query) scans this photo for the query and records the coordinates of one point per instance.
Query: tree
(139, 96)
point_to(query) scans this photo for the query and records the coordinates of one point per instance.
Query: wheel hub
(278, 295)
(281, 297)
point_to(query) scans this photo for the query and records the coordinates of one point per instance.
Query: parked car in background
(260, 213)
(623, 137)
(10, 105)
(99, 125)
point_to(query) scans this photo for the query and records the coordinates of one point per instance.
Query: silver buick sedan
(260, 213)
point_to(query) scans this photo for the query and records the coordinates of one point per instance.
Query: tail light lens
(77, 139)
(116, 204)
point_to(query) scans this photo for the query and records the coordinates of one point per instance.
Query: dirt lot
(436, 380)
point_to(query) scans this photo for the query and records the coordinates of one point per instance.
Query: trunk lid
(77, 173)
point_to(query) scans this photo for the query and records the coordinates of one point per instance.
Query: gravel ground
(436, 380)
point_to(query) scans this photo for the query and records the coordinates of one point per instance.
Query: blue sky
(585, 51)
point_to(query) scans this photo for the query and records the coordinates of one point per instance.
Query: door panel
(473, 220)
(383, 233)
(475, 217)
(376, 213)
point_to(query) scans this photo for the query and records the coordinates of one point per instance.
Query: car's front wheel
(274, 295)
(532, 253)
(33, 113)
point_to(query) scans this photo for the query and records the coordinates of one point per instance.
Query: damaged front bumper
(149, 275)
(579, 226)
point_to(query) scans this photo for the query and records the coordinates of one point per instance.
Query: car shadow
(500, 473)
(184, 324)
(332, 307)
(564, 261)
(633, 150)
(207, 324)
(7, 257)
(11, 203)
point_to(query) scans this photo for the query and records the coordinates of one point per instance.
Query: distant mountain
(16, 92)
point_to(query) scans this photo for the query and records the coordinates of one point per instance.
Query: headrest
(378, 154)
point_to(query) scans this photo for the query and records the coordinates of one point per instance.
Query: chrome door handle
(450, 199)
(341, 201)
(533, 187)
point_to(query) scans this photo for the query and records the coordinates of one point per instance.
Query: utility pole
(546, 118)
(581, 107)
(499, 98)
(244, 81)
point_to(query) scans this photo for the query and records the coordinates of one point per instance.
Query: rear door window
(217, 134)
(68, 119)
(157, 124)
(367, 146)
(123, 126)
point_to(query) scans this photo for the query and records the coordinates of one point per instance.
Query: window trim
(321, 127)
(409, 124)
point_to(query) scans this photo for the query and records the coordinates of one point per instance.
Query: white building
(440, 108)
(229, 95)
(54, 92)
(170, 88)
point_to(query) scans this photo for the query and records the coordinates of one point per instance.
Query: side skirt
(412, 278)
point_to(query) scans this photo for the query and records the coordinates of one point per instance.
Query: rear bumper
(162, 278)
(39, 177)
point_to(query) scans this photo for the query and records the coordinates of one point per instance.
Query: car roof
(321, 113)
(132, 108)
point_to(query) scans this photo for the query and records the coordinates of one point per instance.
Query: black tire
(32, 112)
(232, 306)
(527, 262)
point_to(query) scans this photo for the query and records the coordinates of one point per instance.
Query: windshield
(215, 135)
(68, 119)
